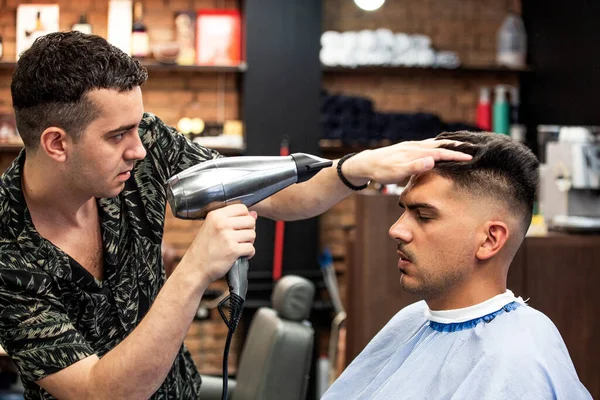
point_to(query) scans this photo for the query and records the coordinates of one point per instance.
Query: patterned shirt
(53, 312)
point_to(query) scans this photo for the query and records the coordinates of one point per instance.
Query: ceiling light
(369, 5)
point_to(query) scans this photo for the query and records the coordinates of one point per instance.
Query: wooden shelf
(10, 147)
(226, 151)
(154, 66)
(7, 65)
(493, 69)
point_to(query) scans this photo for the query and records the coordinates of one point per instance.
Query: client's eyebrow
(414, 206)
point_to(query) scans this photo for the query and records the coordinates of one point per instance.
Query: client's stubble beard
(430, 287)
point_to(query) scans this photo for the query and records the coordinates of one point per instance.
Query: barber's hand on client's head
(397, 162)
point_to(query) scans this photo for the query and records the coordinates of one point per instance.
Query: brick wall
(5, 99)
(467, 27)
(453, 96)
(170, 95)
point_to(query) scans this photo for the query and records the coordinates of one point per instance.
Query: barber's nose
(400, 231)
(136, 150)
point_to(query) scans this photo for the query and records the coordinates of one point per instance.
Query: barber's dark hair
(53, 76)
(501, 168)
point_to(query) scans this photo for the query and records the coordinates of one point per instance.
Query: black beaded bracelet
(343, 178)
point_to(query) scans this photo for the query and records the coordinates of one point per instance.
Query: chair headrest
(293, 297)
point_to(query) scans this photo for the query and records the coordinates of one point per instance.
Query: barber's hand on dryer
(226, 234)
(397, 162)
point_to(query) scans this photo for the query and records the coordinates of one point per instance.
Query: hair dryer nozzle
(308, 165)
(176, 198)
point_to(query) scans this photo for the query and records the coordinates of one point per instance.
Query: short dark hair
(501, 168)
(53, 76)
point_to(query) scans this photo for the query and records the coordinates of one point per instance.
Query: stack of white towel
(382, 47)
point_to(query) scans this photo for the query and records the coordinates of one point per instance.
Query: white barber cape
(499, 349)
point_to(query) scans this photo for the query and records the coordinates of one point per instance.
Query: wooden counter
(559, 274)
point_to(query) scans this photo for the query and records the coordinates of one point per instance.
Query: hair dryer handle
(237, 277)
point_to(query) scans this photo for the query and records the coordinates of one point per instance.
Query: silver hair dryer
(213, 184)
(198, 190)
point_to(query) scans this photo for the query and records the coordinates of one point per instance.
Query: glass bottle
(512, 42)
(82, 26)
(140, 42)
(38, 30)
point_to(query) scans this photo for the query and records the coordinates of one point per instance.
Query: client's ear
(495, 235)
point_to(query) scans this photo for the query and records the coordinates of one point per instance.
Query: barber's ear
(495, 235)
(55, 142)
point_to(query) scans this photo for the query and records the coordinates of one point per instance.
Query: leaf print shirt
(53, 312)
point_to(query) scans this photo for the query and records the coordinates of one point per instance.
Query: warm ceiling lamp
(369, 5)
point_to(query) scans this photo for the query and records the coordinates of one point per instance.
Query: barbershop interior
(330, 78)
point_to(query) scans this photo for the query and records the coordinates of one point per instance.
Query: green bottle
(501, 111)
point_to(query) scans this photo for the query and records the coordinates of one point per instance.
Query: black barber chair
(276, 358)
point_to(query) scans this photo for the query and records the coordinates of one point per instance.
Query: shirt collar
(469, 313)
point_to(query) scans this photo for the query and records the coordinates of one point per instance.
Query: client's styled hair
(501, 168)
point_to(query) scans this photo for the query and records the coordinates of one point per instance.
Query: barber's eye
(118, 137)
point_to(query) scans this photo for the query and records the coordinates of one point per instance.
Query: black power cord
(236, 305)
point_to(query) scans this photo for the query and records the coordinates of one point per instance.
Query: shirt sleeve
(171, 152)
(35, 330)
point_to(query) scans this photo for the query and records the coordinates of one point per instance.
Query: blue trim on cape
(459, 326)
